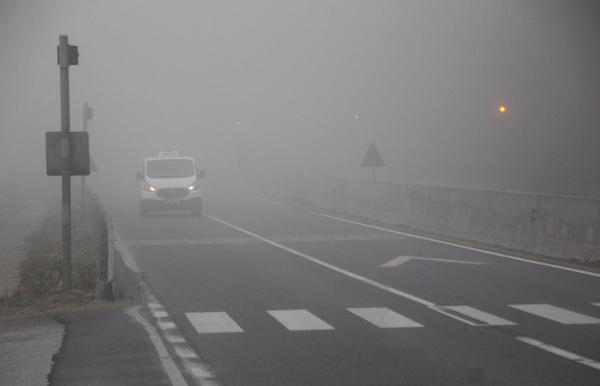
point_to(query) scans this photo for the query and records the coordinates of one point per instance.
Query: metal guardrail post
(104, 290)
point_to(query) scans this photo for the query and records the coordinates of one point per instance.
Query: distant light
(356, 117)
(502, 109)
(237, 123)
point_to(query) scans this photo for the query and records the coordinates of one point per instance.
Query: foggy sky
(424, 77)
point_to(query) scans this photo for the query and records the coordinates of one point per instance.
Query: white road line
(596, 304)
(556, 314)
(384, 317)
(403, 259)
(299, 320)
(474, 313)
(277, 203)
(183, 351)
(160, 314)
(458, 245)
(560, 352)
(165, 358)
(168, 325)
(193, 365)
(353, 275)
(245, 240)
(212, 322)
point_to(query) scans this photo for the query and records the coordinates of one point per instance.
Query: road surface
(270, 294)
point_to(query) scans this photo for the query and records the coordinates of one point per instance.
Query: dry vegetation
(40, 274)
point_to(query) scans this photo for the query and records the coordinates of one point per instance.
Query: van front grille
(172, 192)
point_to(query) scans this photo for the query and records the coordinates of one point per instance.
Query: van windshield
(170, 168)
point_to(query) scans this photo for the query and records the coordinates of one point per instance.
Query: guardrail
(565, 227)
(116, 272)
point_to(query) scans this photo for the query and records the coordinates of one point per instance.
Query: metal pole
(66, 159)
(84, 126)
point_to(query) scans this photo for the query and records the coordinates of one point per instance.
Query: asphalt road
(268, 294)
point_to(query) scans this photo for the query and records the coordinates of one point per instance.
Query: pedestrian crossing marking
(557, 314)
(481, 318)
(212, 322)
(299, 320)
(384, 317)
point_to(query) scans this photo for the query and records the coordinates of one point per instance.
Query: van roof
(164, 158)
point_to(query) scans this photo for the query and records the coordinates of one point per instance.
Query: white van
(170, 182)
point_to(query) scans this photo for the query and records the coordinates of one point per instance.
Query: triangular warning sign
(372, 158)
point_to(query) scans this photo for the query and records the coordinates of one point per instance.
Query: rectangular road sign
(78, 150)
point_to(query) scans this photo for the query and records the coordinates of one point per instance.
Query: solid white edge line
(353, 275)
(441, 310)
(521, 259)
(277, 203)
(168, 364)
(560, 352)
(485, 318)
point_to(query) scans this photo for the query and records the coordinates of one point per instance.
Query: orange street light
(502, 109)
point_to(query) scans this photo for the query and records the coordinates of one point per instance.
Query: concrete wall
(556, 226)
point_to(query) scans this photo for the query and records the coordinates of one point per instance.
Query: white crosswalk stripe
(384, 317)
(556, 314)
(212, 322)
(299, 320)
(474, 317)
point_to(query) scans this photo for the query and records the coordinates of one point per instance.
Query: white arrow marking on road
(403, 259)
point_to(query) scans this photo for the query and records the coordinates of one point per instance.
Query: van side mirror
(201, 173)
(138, 176)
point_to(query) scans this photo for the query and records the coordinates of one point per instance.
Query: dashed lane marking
(168, 364)
(193, 365)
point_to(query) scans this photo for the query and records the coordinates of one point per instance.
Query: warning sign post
(372, 159)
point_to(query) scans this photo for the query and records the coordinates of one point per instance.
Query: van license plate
(172, 201)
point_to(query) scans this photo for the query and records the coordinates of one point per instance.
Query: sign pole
(85, 115)
(63, 61)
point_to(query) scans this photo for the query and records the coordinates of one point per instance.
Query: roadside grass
(40, 273)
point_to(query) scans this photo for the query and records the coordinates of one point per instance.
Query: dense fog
(276, 86)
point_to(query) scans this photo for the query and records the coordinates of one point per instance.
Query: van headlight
(149, 188)
(193, 188)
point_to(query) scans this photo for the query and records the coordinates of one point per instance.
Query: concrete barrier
(556, 226)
